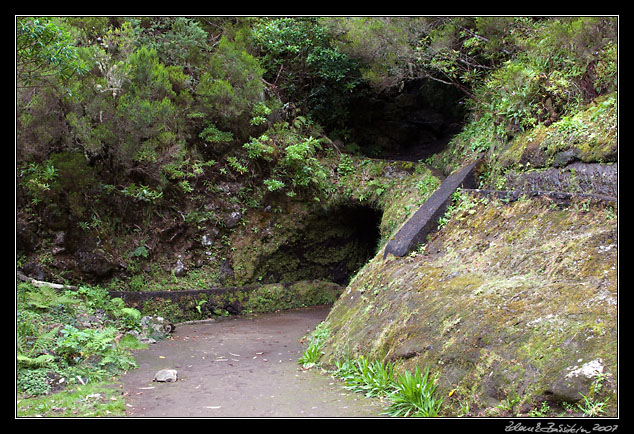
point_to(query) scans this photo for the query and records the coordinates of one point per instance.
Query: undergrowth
(70, 344)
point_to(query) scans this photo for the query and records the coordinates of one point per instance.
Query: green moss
(503, 301)
(271, 298)
(590, 133)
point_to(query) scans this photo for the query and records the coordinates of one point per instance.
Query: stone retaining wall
(558, 197)
(204, 303)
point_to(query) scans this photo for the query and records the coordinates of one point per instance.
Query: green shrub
(346, 166)
(92, 348)
(33, 382)
(273, 184)
(178, 40)
(414, 396)
(232, 86)
(37, 180)
(44, 48)
(300, 56)
(75, 344)
(143, 193)
(261, 147)
(45, 297)
(211, 134)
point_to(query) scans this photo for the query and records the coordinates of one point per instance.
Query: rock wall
(592, 178)
(511, 304)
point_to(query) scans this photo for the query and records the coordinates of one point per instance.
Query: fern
(26, 356)
(46, 340)
(45, 297)
(43, 342)
(34, 362)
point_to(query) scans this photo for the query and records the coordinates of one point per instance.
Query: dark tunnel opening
(361, 241)
(333, 245)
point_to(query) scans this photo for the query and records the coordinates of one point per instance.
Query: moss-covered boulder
(512, 304)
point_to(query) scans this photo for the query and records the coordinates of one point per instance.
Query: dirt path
(244, 367)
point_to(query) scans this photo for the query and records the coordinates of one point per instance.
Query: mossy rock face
(507, 303)
(593, 178)
(270, 298)
(588, 136)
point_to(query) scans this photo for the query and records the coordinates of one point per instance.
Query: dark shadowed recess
(333, 246)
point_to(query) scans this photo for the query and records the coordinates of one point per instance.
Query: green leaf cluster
(414, 396)
(292, 160)
(409, 394)
(313, 353)
(46, 351)
(44, 49)
(300, 56)
(231, 85)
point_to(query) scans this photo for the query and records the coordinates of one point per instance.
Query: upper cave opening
(409, 123)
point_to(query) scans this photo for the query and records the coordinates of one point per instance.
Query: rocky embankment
(510, 303)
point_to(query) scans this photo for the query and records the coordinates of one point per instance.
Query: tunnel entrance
(333, 246)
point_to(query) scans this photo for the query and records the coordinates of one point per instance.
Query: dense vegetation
(137, 133)
(76, 341)
(117, 111)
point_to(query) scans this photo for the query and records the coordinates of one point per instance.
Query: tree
(300, 59)
(230, 87)
(179, 41)
(384, 47)
(44, 51)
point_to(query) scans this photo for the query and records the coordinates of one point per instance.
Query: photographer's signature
(551, 427)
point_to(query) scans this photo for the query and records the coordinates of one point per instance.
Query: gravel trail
(240, 367)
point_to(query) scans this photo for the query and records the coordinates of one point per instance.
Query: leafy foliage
(383, 47)
(292, 159)
(409, 395)
(44, 50)
(414, 396)
(300, 57)
(231, 87)
(313, 353)
(546, 70)
(44, 297)
(179, 41)
(47, 350)
(372, 378)
(37, 179)
(143, 96)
